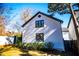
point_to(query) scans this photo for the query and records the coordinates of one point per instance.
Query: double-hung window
(39, 36)
(39, 23)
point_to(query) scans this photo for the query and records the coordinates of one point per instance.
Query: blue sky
(43, 7)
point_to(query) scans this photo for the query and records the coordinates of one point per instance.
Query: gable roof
(69, 21)
(42, 14)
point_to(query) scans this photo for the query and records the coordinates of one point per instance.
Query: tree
(4, 14)
(65, 8)
(76, 5)
(26, 14)
(2, 28)
(58, 8)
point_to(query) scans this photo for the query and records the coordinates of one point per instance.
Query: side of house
(73, 35)
(66, 37)
(43, 28)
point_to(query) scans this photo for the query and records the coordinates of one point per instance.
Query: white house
(42, 27)
(66, 37)
(73, 27)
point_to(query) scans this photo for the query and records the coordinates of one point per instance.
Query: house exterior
(42, 27)
(65, 33)
(66, 37)
(74, 32)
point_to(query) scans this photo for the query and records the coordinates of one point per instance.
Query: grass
(36, 53)
(10, 51)
(14, 51)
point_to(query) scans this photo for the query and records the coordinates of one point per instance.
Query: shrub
(28, 45)
(19, 41)
(39, 46)
(49, 46)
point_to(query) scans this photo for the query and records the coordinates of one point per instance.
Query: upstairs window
(39, 23)
(39, 36)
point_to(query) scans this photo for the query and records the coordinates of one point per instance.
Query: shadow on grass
(25, 55)
(25, 52)
(4, 49)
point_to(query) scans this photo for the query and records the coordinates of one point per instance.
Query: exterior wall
(4, 41)
(73, 38)
(66, 36)
(77, 16)
(52, 32)
(72, 31)
(67, 41)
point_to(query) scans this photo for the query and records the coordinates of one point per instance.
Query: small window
(39, 16)
(39, 36)
(39, 23)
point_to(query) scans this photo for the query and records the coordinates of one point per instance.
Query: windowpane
(39, 36)
(39, 23)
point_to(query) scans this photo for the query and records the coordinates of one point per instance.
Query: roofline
(69, 21)
(76, 10)
(71, 17)
(43, 14)
(29, 20)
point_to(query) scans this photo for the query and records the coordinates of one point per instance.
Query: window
(39, 23)
(39, 16)
(39, 36)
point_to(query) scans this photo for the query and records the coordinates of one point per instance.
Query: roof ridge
(43, 14)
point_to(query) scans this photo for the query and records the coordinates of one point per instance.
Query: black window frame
(39, 23)
(39, 37)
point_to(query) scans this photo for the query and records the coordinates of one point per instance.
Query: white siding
(72, 31)
(66, 35)
(52, 32)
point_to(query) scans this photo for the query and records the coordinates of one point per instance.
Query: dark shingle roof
(43, 14)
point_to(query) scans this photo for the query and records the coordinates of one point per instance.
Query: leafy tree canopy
(61, 8)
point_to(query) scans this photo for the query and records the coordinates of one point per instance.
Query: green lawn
(14, 51)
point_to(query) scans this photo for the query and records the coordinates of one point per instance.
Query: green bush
(49, 46)
(39, 46)
(19, 41)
